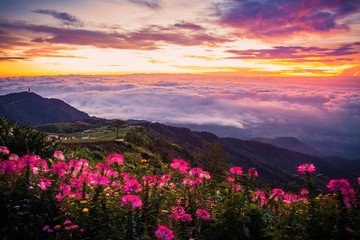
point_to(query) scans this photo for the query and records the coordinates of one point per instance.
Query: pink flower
(344, 187)
(104, 181)
(4, 150)
(64, 191)
(230, 179)
(72, 227)
(304, 192)
(235, 187)
(260, 195)
(115, 158)
(131, 199)
(59, 155)
(277, 193)
(252, 173)
(359, 180)
(306, 168)
(164, 233)
(179, 214)
(45, 183)
(60, 168)
(338, 185)
(45, 228)
(236, 170)
(202, 214)
(180, 165)
(67, 222)
(132, 186)
(195, 171)
(57, 227)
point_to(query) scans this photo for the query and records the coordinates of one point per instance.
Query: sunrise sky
(237, 37)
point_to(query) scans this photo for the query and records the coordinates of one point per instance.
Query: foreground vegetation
(63, 196)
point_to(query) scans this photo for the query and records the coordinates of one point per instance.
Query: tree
(118, 124)
(213, 158)
(22, 139)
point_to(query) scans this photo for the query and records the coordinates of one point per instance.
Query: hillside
(273, 163)
(31, 108)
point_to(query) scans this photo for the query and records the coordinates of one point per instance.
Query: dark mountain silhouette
(289, 143)
(27, 107)
(273, 163)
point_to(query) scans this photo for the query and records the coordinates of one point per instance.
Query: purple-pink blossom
(306, 168)
(304, 192)
(115, 158)
(59, 155)
(45, 183)
(202, 214)
(253, 173)
(132, 186)
(164, 233)
(4, 150)
(180, 165)
(236, 170)
(131, 199)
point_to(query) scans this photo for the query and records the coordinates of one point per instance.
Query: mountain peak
(28, 107)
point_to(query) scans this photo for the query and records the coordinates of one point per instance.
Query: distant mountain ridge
(289, 143)
(28, 107)
(273, 163)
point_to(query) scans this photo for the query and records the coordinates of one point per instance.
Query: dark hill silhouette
(273, 163)
(26, 107)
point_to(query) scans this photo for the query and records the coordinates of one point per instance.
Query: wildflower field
(62, 197)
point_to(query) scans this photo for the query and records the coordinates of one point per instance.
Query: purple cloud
(274, 18)
(13, 58)
(296, 53)
(147, 38)
(66, 18)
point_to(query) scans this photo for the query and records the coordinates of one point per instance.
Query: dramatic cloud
(66, 18)
(147, 38)
(278, 18)
(296, 52)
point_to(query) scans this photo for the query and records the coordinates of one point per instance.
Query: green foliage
(25, 140)
(93, 205)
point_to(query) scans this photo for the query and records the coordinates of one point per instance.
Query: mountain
(273, 163)
(289, 143)
(28, 107)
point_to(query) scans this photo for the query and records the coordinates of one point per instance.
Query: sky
(268, 67)
(233, 37)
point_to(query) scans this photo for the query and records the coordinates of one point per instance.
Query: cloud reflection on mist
(330, 111)
(195, 99)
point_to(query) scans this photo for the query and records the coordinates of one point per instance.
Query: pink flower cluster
(115, 158)
(306, 168)
(18, 166)
(253, 173)
(202, 214)
(260, 197)
(159, 181)
(180, 165)
(164, 233)
(276, 194)
(131, 199)
(198, 172)
(343, 186)
(4, 150)
(59, 155)
(236, 170)
(179, 214)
